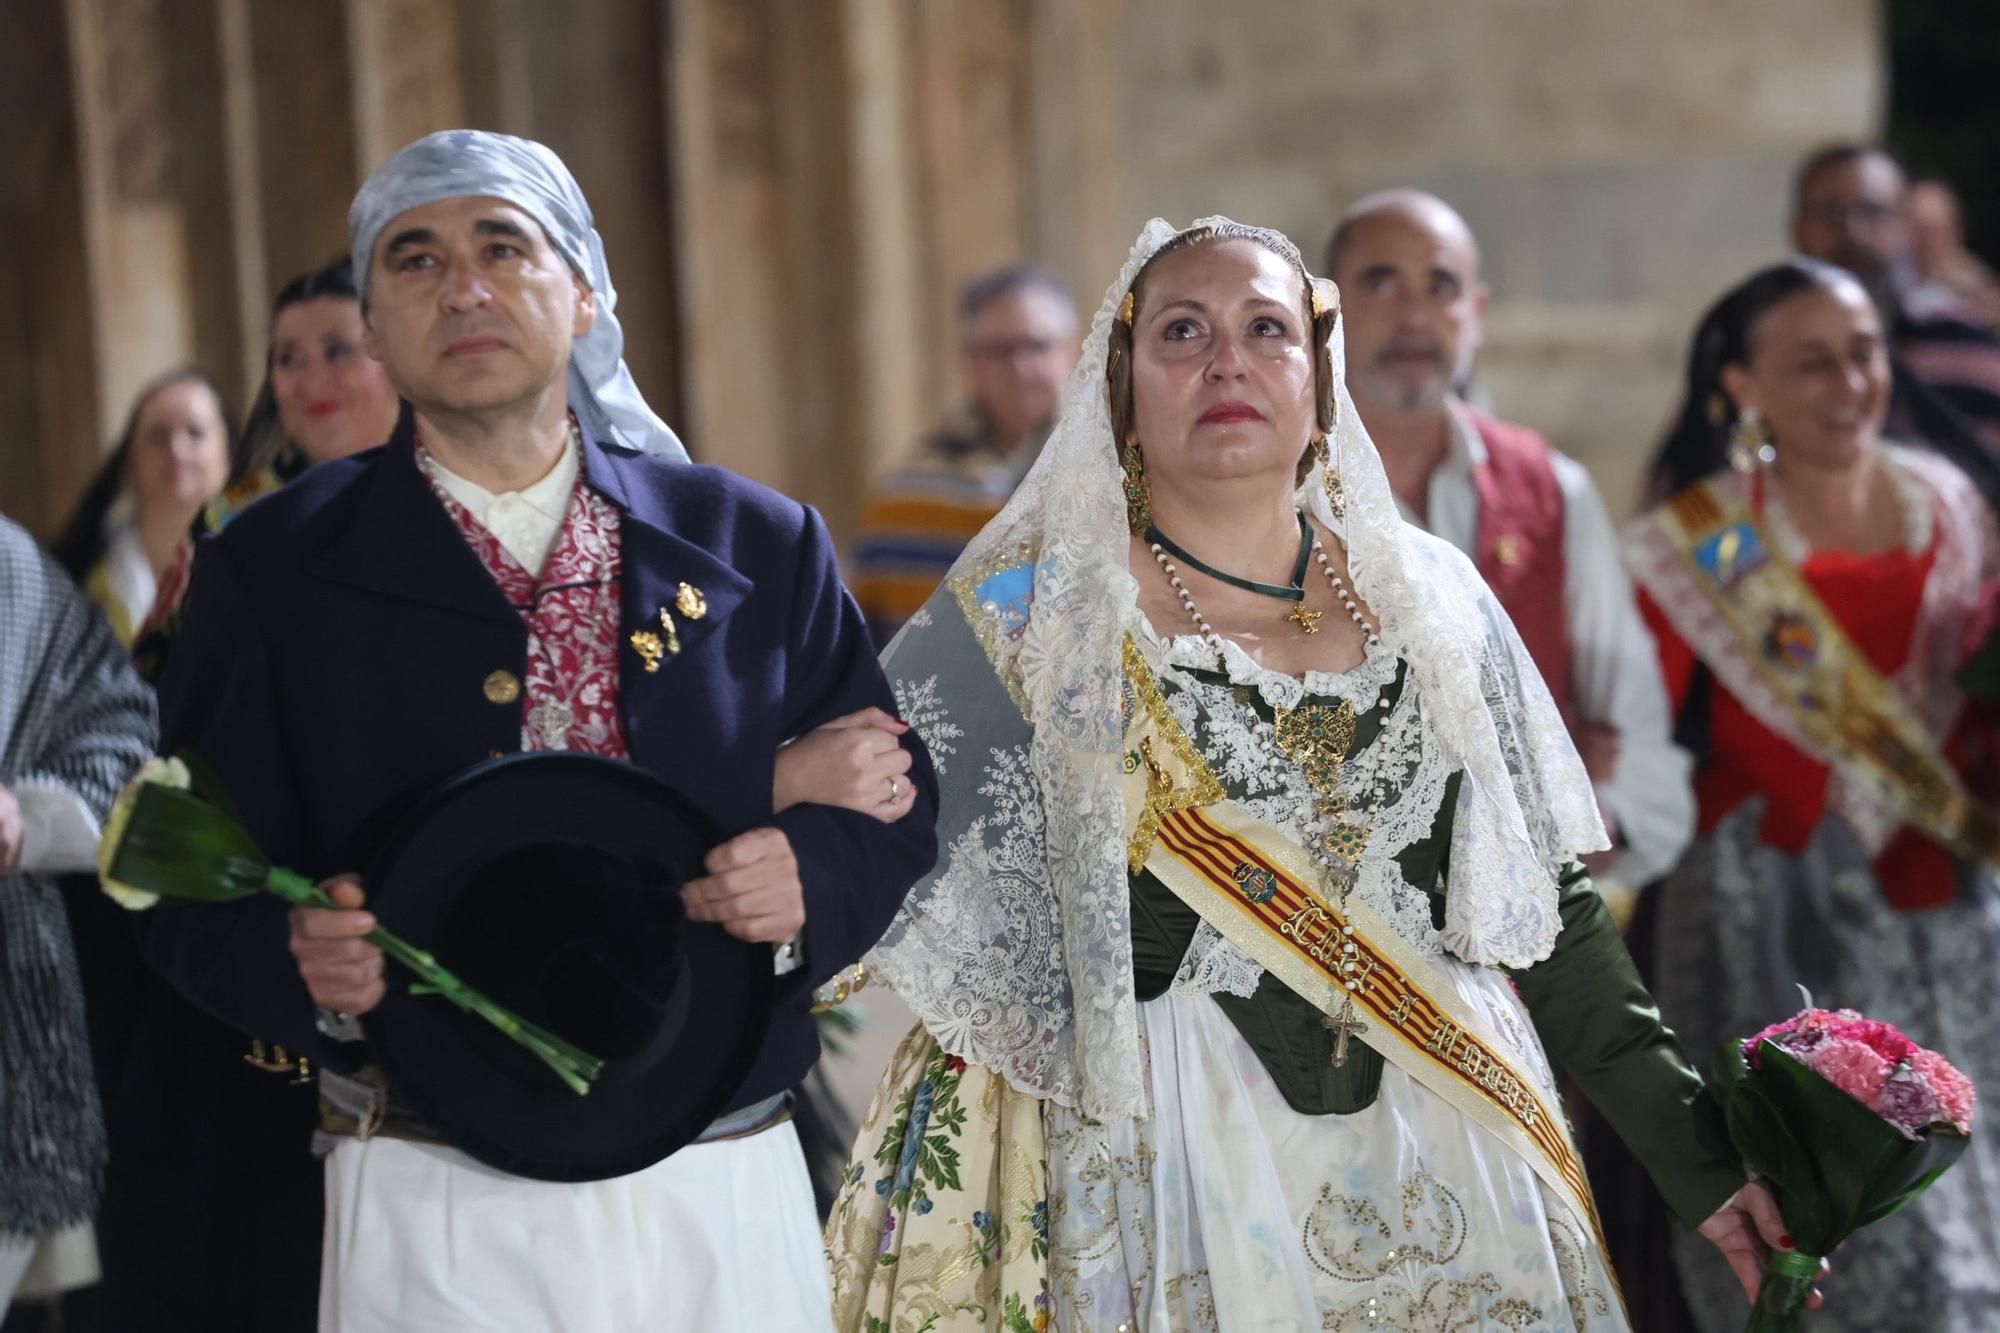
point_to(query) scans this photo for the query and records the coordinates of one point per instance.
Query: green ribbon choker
(1295, 593)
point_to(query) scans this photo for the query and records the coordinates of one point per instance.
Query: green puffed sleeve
(1598, 1022)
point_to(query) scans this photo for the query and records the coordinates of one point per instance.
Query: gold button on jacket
(503, 687)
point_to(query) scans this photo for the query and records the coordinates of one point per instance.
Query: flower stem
(1781, 1303)
(574, 1066)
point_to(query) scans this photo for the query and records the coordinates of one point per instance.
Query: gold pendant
(1304, 619)
(1317, 737)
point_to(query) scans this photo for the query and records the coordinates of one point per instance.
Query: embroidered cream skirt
(969, 1206)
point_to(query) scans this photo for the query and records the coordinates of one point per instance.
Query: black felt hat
(551, 882)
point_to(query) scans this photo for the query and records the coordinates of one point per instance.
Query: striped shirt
(921, 515)
(1948, 348)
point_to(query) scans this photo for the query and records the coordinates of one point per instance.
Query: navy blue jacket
(331, 665)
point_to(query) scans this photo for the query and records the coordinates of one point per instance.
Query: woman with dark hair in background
(1813, 604)
(129, 541)
(213, 1200)
(323, 396)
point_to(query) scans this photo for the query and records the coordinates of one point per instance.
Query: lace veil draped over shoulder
(1016, 951)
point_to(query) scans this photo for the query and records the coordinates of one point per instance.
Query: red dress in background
(1876, 599)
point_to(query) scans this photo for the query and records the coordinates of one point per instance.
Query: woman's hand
(855, 762)
(1746, 1229)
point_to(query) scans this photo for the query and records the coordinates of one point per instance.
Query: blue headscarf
(452, 164)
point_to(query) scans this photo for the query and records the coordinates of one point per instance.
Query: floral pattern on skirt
(943, 1220)
(968, 1205)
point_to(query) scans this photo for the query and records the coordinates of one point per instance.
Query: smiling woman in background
(323, 396)
(1813, 605)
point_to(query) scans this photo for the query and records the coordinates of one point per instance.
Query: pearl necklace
(1214, 640)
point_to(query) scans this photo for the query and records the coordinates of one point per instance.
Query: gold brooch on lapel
(647, 644)
(652, 647)
(691, 602)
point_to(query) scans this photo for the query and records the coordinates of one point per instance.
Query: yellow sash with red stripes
(1849, 715)
(1255, 886)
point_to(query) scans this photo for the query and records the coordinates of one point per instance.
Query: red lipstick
(1224, 413)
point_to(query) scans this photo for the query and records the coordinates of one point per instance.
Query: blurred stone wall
(792, 190)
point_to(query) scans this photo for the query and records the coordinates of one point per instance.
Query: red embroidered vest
(570, 699)
(1519, 545)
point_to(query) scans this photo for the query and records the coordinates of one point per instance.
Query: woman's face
(1818, 374)
(333, 398)
(180, 451)
(1222, 366)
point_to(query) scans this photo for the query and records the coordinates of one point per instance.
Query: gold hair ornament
(1138, 495)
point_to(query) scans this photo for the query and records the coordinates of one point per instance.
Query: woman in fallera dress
(1259, 912)
(1813, 605)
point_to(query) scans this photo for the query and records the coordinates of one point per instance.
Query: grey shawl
(73, 712)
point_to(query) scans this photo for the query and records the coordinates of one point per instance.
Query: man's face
(1853, 214)
(1414, 309)
(470, 309)
(1018, 352)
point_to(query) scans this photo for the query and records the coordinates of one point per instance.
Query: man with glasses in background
(1851, 207)
(1019, 341)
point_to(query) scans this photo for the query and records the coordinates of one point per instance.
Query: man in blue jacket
(530, 563)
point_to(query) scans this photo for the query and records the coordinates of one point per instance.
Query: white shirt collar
(525, 522)
(1463, 452)
(1462, 443)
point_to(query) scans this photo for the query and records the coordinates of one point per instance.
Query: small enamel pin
(691, 602)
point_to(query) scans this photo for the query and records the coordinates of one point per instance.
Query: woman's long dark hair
(82, 543)
(1697, 444)
(264, 444)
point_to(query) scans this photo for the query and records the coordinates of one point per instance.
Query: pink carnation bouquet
(1847, 1120)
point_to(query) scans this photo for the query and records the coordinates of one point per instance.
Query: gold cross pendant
(1304, 619)
(1345, 1025)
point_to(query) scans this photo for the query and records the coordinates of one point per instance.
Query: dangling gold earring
(1750, 441)
(1138, 496)
(1329, 477)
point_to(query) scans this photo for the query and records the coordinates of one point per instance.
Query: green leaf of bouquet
(1767, 1140)
(1754, 1126)
(1912, 1174)
(179, 846)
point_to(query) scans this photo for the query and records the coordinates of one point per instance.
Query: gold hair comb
(1126, 309)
